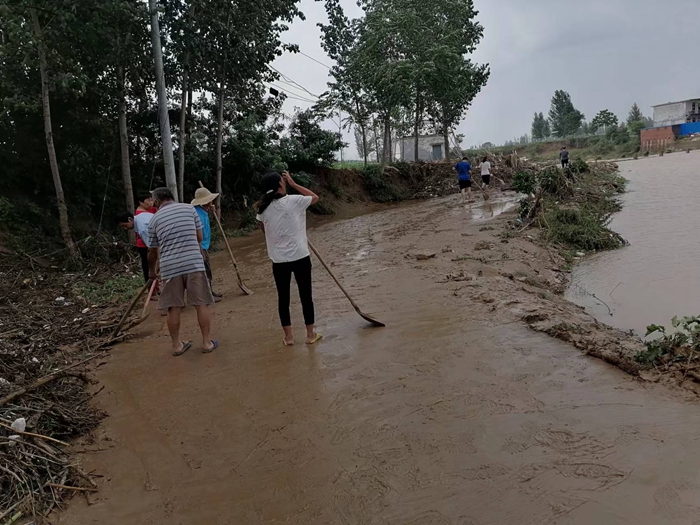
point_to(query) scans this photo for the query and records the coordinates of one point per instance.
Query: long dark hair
(270, 184)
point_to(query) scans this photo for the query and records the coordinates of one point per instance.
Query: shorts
(198, 291)
(464, 184)
(486, 179)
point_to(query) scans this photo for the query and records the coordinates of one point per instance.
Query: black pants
(143, 253)
(283, 279)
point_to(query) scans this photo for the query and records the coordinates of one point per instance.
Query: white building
(430, 148)
(674, 113)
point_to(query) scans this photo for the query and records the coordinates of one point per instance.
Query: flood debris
(44, 387)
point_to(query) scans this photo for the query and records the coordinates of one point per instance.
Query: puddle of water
(655, 277)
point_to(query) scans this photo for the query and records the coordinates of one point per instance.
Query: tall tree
(48, 131)
(605, 119)
(540, 127)
(564, 118)
(161, 89)
(635, 114)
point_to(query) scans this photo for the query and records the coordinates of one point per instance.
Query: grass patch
(115, 290)
(352, 165)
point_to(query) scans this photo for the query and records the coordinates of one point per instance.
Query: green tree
(564, 118)
(635, 114)
(540, 127)
(604, 120)
(308, 145)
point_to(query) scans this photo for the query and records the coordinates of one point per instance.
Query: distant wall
(670, 114)
(655, 138)
(689, 129)
(426, 150)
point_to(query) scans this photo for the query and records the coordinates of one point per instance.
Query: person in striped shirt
(175, 233)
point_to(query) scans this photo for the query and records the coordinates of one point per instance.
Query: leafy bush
(580, 228)
(580, 166)
(683, 345)
(524, 182)
(379, 188)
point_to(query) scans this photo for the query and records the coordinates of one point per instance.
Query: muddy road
(456, 413)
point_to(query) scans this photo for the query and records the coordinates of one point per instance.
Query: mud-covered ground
(456, 413)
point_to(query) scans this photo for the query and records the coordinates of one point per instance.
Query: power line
(289, 80)
(292, 95)
(315, 60)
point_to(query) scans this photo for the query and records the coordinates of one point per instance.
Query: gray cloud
(606, 53)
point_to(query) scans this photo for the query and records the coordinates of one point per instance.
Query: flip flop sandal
(186, 345)
(316, 339)
(285, 343)
(215, 345)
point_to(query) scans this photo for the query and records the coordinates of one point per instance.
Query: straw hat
(203, 197)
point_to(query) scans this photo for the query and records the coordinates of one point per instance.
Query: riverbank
(456, 412)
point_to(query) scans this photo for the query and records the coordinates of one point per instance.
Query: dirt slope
(457, 413)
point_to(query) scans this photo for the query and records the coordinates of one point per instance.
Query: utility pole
(163, 117)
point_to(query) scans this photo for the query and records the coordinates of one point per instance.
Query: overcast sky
(606, 53)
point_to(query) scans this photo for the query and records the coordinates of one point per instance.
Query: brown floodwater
(656, 276)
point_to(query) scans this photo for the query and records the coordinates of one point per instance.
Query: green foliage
(682, 346)
(635, 115)
(308, 145)
(524, 182)
(379, 187)
(580, 228)
(565, 119)
(540, 127)
(605, 119)
(579, 165)
(115, 290)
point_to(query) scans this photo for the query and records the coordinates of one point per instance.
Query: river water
(657, 276)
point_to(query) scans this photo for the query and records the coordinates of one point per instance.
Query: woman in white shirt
(282, 218)
(486, 171)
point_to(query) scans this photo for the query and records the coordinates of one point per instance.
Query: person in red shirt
(145, 206)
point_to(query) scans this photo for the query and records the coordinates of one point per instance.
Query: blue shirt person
(203, 204)
(464, 176)
(463, 170)
(206, 227)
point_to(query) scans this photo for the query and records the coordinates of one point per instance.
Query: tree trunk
(219, 144)
(124, 146)
(363, 129)
(183, 134)
(163, 117)
(376, 143)
(416, 126)
(386, 153)
(446, 136)
(48, 131)
(124, 139)
(184, 109)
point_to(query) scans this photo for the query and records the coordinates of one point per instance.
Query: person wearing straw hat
(203, 203)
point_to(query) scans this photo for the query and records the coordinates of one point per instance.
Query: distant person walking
(204, 204)
(564, 157)
(282, 218)
(464, 178)
(486, 171)
(174, 236)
